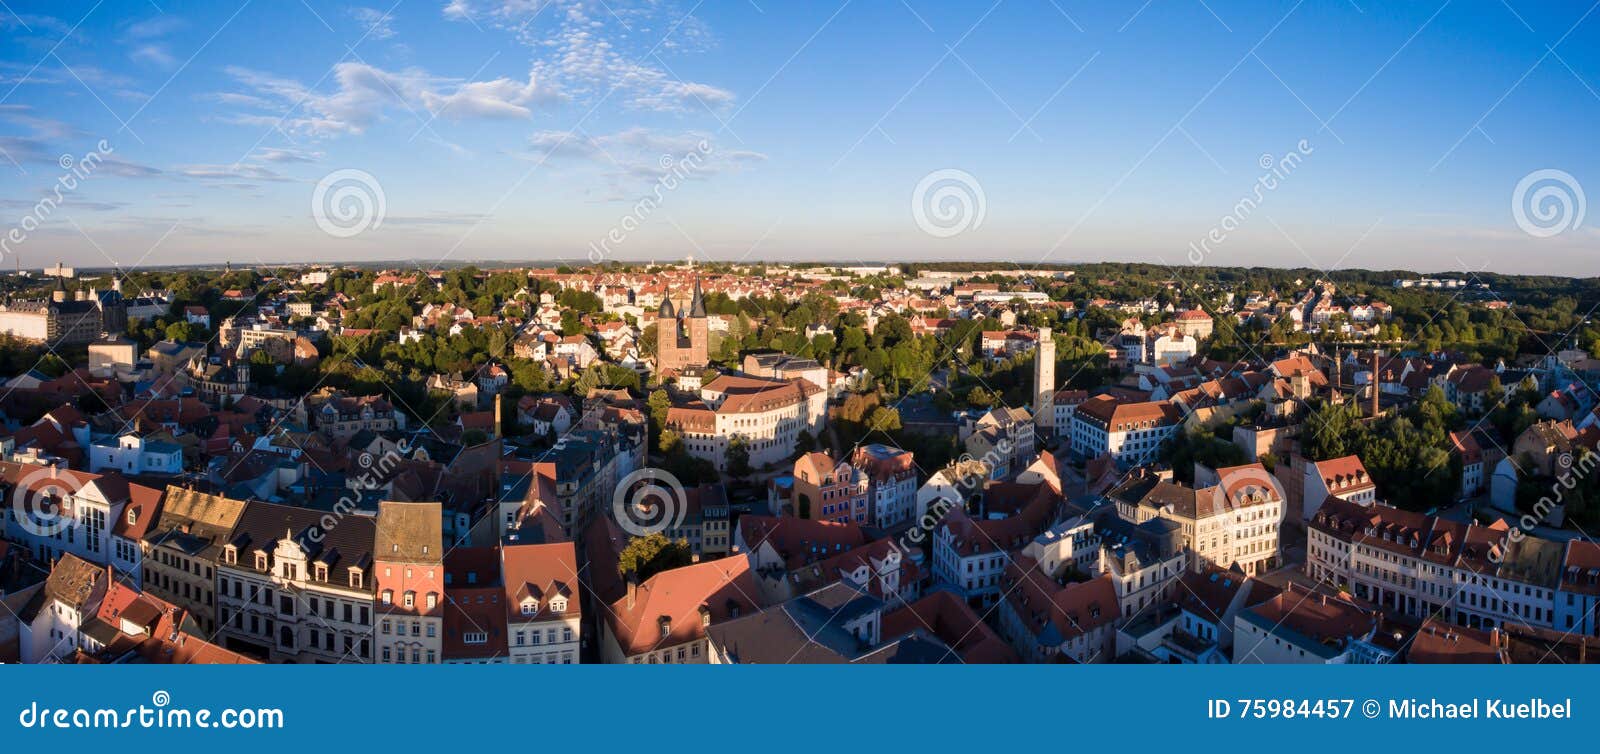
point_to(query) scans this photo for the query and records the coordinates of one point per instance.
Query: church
(682, 341)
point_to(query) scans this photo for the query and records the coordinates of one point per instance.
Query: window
(388, 596)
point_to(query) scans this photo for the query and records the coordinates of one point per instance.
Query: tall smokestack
(1375, 383)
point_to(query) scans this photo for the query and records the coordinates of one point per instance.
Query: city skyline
(530, 131)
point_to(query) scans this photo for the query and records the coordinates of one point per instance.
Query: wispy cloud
(231, 173)
(376, 23)
(608, 49)
(145, 40)
(271, 154)
(633, 157)
(364, 93)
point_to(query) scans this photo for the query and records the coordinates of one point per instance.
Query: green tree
(651, 554)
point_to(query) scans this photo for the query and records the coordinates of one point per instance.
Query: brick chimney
(1375, 383)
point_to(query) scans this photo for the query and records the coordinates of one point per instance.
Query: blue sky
(529, 129)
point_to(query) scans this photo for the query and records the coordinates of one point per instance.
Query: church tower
(697, 329)
(1044, 382)
(682, 337)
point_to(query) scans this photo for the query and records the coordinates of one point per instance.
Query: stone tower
(1044, 382)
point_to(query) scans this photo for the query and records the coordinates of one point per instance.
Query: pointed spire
(697, 305)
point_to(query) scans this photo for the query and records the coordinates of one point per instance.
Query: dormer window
(558, 605)
(530, 606)
(133, 516)
(355, 578)
(433, 600)
(261, 561)
(230, 555)
(410, 598)
(322, 572)
(388, 596)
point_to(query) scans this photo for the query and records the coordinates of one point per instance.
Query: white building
(135, 455)
(1131, 432)
(768, 415)
(891, 483)
(1470, 575)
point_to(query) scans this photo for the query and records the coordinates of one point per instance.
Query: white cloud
(271, 154)
(637, 156)
(120, 167)
(364, 94)
(144, 40)
(579, 47)
(155, 55)
(376, 23)
(151, 28)
(240, 172)
(500, 98)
